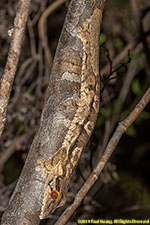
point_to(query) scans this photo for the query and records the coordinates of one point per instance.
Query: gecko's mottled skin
(58, 168)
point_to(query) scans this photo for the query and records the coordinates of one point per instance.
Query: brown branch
(135, 11)
(12, 60)
(130, 74)
(122, 127)
(42, 29)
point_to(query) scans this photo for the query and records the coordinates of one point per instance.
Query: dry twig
(12, 60)
(118, 58)
(42, 30)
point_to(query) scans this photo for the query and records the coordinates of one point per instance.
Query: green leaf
(117, 105)
(20, 127)
(143, 116)
(125, 114)
(118, 44)
(131, 54)
(100, 120)
(131, 131)
(102, 39)
(122, 3)
(136, 87)
(106, 112)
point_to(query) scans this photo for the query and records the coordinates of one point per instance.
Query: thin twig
(118, 58)
(12, 60)
(130, 74)
(122, 127)
(42, 30)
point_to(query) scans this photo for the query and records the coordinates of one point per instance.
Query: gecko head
(54, 197)
(58, 192)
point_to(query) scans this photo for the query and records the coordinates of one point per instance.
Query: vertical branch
(12, 59)
(42, 30)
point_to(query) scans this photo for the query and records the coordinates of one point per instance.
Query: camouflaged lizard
(57, 169)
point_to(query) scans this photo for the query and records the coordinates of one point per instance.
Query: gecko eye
(54, 194)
